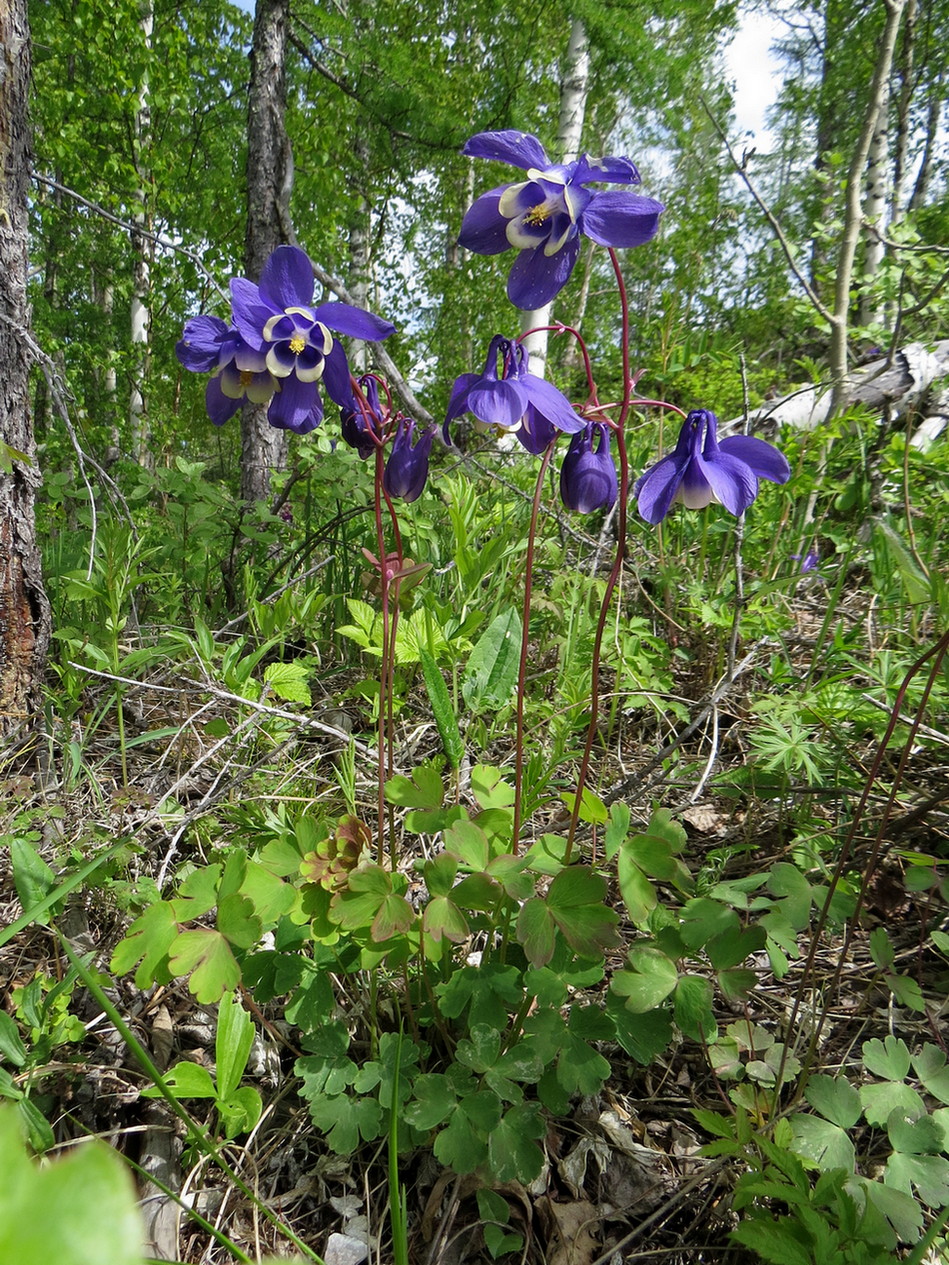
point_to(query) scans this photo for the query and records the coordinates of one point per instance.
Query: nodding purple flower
(407, 468)
(543, 216)
(701, 469)
(588, 479)
(210, 345)
(510, 397)
(357, 429)
(276, 319)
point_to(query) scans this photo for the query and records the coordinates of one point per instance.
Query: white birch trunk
(141, 282)
(875, 204)
(573, 104)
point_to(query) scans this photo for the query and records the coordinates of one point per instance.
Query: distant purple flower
(209, 345)
(276, 319)
(588, 477)
(701, 470)
(543, 216)
(809, 561)
(407, 468)
(511, 397)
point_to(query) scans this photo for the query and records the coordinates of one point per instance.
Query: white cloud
(756, 74)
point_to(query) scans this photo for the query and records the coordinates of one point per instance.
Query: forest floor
(623, 1178)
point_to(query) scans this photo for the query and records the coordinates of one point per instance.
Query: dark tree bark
(24, 610)
(269, 180)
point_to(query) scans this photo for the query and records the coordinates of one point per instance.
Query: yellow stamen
(537, 214)
(247, 378)
(297, 344)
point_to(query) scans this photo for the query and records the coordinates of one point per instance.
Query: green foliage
(96, 1219)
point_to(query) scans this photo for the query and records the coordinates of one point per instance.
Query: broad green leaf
(12, 1048)
(928, 1174)
(881, 1099)
(208, 956)
(577, 900)
(489, 787)
(241, 1112)
(920, 1136)
(731, 947)
(512, 1153)
(536, 931)
(933, 1071)
(346, 1120)
(617, 830)
(459, 1147)
(693, 1007)
(881, 948)
(901, 1211)
(468, 843)
(235, 1036)
(433, 1100)
(643, 1037)
(238, 922)
(443, 919)
(439, 873)
(269, 895)
(650, 982)
(702, 919)
(826, 1144)
(592, 809)
(790, 885)
(147, 941)
(736, 984)
(32, 877)
(491, 671)
(639, 895)
(425, 789)
(186, 1080)
(79, 1210)
(289, 681)
(835, 1098)
(888, 1058)
(395, 916)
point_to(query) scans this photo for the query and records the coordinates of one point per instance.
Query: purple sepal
(619, 219)
(520, 149)
(201, 343)
(354, 321)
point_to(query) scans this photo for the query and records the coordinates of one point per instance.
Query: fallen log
(899, 384)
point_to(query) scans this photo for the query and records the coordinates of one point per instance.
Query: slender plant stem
(620, 554)
(384, 665)
(525, 630)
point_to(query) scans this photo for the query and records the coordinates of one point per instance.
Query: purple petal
(535, 432)
(250, 314)
(287, 278)
(609, 170)
(354, 321)
(498, 403)
(621, 219)
(733, 483)
(200, 347)
(656, 489)
(458, 402)
(296, 406)
(219, 407)
(520, 149)
(536, 278)
(551, 404)
(484, 228)
(337, 377)
(763, 458)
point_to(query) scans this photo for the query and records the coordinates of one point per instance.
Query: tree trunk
(573, 105)
(24, 610)
(269, 181)
(142, 247)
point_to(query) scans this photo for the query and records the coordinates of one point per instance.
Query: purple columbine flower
(357, 429)
(701, 470)
(407, 468)
(210, 345)
(588, 479)
(543, 216)
(809, 561)
(276, 318)
(510, 397)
